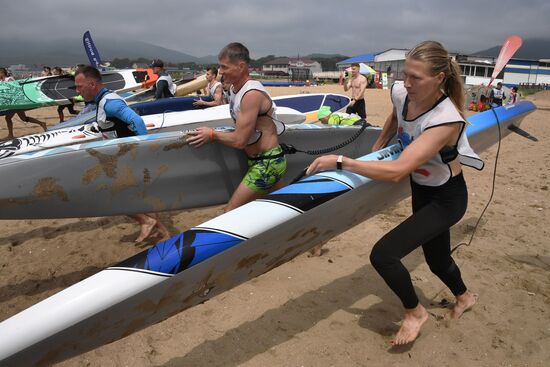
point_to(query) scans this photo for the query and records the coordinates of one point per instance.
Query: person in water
(428, 118)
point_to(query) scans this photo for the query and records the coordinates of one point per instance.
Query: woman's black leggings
(435, 210)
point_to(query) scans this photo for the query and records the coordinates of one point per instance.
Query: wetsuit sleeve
(119, 109)
(162, 89)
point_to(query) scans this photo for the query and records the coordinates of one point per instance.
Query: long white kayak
(172, 114)
(169, 121)
(213, 257)
(148, 173)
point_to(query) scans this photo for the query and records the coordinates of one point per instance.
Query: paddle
(509, 48)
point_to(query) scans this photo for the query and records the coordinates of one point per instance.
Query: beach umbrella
(364, 69)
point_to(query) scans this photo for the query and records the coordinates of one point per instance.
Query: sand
(332, 310)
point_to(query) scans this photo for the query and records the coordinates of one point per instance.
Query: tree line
(327, 63)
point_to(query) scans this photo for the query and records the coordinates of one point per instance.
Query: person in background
(226, 90)
(497, 96)
(116, 120)
(357, 83)
(5, 77)
(70, 107)
(429, 120)
(164, 87)
(514, 96)
(88, 105)
(482, 104)
(214, 89)
(46, 71)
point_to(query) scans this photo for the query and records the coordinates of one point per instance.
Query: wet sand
(332, 310)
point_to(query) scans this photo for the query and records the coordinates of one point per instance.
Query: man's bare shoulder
(254, 100)
(253, 96)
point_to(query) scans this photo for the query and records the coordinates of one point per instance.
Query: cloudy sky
(282, 27)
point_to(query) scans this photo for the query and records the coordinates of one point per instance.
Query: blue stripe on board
(313, 187)
(304, 201)
(165, 105)
(303, 104)
(208, 244)
(181, 251)
(166, 256)
(336, 102)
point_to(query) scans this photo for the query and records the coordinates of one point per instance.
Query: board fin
(522, 132)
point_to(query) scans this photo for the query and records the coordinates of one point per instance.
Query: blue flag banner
(91, 50)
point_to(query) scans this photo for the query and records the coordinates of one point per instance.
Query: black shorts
(358, 108)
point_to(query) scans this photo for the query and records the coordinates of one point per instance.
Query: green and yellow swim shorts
(265, 170)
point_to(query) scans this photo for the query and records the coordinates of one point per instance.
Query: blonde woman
(428, 118)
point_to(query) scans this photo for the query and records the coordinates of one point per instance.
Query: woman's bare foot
(146, 226)
(464, 302)
(410, 328)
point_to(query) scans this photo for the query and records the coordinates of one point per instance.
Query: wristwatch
(339, 162)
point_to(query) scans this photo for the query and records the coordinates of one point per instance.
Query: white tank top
(434, 172)
(235, 106)
(212, 89)
(171, 86)
(498, 93)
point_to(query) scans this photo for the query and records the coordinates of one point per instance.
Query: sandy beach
(332, 310)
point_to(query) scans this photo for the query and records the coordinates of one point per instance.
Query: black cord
(290, 149)
(492, 189)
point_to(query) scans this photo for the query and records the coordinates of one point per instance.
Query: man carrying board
(256, 128)
(116, 120)
(214, 89)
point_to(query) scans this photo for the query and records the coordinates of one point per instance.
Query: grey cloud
(283, 27)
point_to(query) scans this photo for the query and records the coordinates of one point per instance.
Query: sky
(282, 27)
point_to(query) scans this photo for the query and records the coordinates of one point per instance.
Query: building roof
(358, 58)
(394, 49)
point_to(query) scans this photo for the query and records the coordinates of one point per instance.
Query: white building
(475, 70)
(283, 65)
